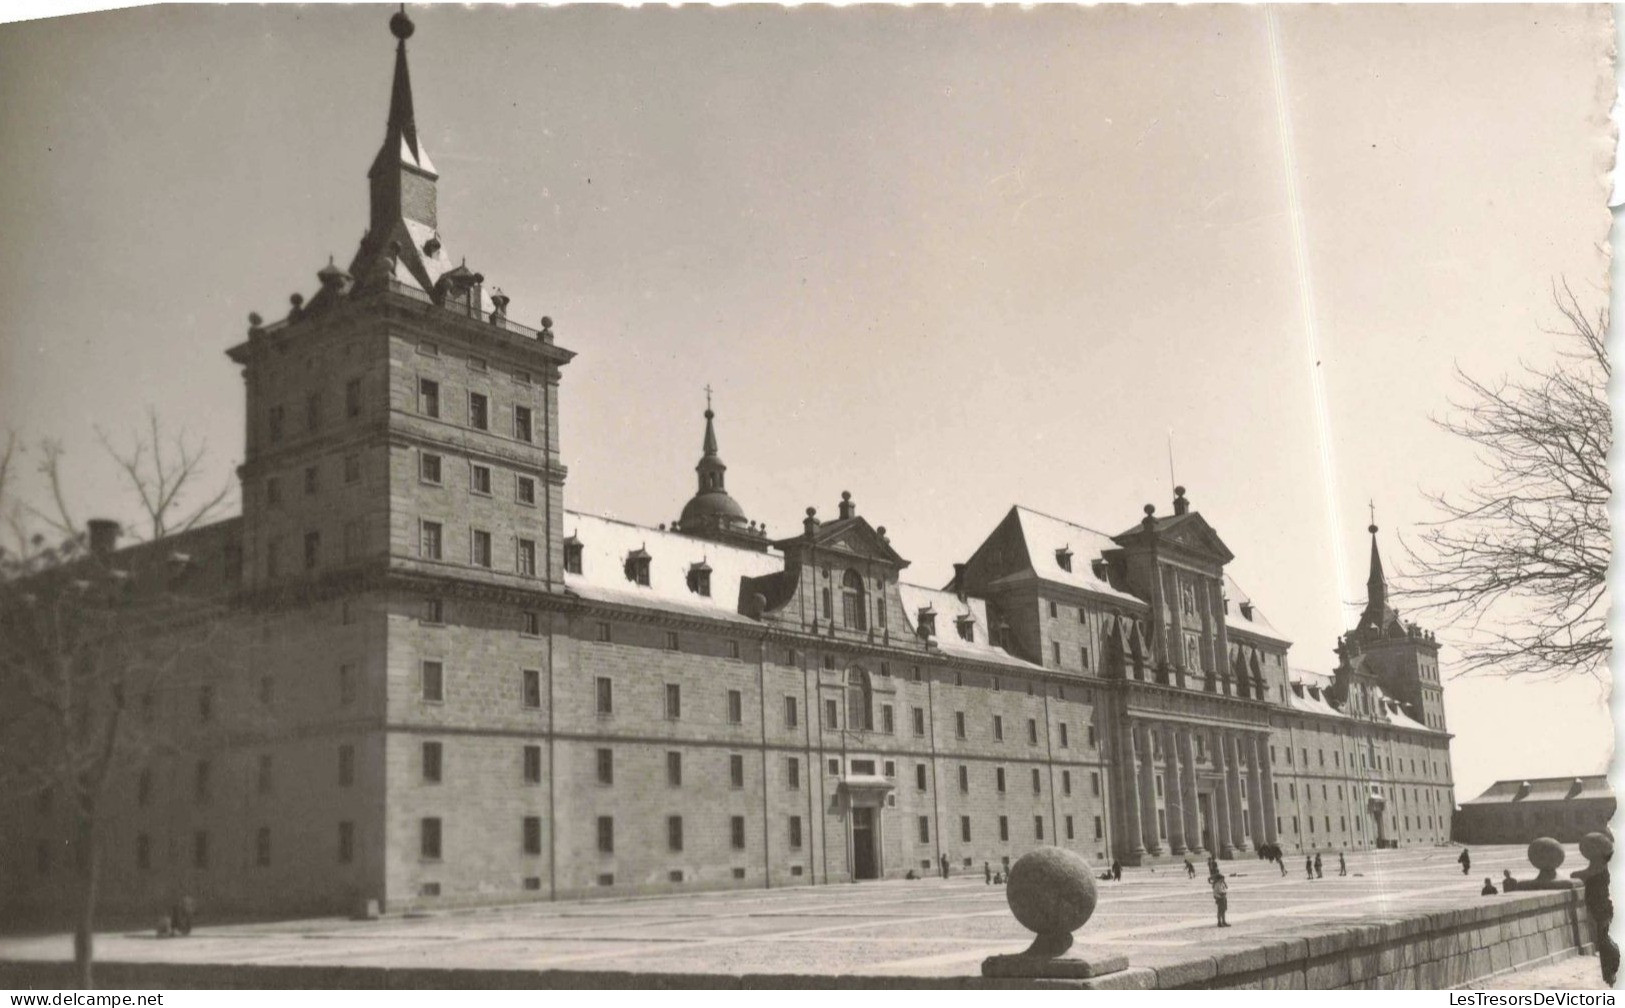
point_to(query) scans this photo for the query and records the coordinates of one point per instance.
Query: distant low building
(1518, 811)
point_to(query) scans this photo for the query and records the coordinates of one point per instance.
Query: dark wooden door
(864, 863)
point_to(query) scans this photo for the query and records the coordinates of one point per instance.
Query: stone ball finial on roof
(400, 25)
(254, 318)
(812, 512)
(1150, 509)
(547, 322)
(1052, 893)
(846, 495)
(1179, 491)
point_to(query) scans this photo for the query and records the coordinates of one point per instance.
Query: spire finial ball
(1150, 509)
(547, 322)
(846, 495)
(400, 25)
(811, 512)
(1372, 529)
(1179, 491)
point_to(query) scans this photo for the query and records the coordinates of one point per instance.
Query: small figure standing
(181, 916)
(1117, 871)
(1342, 864)
(987, 872)
(1318, 872)
(1600, 906)
(1466, 860)
(1221, 897)
(1488, 890)
(944, 858)
(1190, 869)
(1280, 861)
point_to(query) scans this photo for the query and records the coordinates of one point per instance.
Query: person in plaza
(987, 872)
(1342, 864)
(1319, 873)
(1221, 897)
(1507, 881)
(1600, 906)
(1489, 889)
(944, 858)
(1280, 861)
(1190, 869)
(1466, 860)
(1117, 870)
(1309, 867)
(180, 916)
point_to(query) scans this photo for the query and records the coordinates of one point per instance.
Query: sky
(947, 260)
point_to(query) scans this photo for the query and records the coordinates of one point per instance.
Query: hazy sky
(946, 260)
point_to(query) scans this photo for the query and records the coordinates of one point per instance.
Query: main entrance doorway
(865, 863)
(1204, 813)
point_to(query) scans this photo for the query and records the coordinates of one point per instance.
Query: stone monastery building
(475, 694)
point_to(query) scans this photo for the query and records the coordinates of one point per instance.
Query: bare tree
(86, 647)
(1519, 561)
(162, 470)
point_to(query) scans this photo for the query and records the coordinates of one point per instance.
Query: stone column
(1176, 608)
(1221, 799)
(1221, 636)
(1148, 788)
(1126, 780)
(1232, 758)
(1174, 792)
(1266, 785)
(1193, 819)
(1255, 790)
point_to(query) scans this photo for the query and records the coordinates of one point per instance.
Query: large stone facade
(477, 695)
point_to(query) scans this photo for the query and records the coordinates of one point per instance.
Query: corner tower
(399, 420)
(1399, 656)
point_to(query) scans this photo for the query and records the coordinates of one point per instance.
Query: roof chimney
(104, 533)
(848, 509)
(1181, 505)
(958, 586)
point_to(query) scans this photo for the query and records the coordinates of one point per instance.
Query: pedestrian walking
(1466, 860)
(987, 872)
(1280, 861)
(1190, 869)
(944, 858)
(1309, 868)
(1318, 872)
(1221, 897)
(1342, 864)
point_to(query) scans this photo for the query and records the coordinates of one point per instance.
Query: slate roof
(1505, 792)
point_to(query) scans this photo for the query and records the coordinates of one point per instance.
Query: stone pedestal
(1070, 965)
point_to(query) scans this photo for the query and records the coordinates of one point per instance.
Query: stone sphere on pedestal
(1547, 855)
(1052, 893)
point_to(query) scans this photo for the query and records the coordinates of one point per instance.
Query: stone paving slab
(930, 928)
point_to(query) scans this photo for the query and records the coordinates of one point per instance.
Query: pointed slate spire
(1376, 586)
(711, 469)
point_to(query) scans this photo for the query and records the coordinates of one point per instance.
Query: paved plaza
(929, 928)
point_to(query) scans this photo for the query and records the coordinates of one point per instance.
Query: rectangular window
(1004, 828)
(925, 829)
(604, 693)
(431, 762)
(795, 832)
(429, 468)
(530, 624)
(313, 411)
(533, 764)
(1038, 782)
(673, 642)
(959, 724)
(479, 479)
(1084, 656)
(479, 412)
(604, 633)
(313, 549)
(479, 549)
(1069, 834)
(606, 835)
(1032, 731)
(533, 835)
(434, 681)
(919, 721)
(1066, 782)
(346, 842)
(1094, 783)
(831, 711)
(886, 723)
(964, 778)
(429, 839)
(1091, 733)
(1038, 827)
(525, 557)
(736, 707)
(525, 491)
(352, 397)
(736, 832)
(964, 829)
(674, 701)
(428, 397)
(998, 728)
(521, 423)
(531, 687)
(674, 769)
(429, 540)
(434, 611)
(736, 771)
(919, 777)
(1055, 653)
(346, 765)
(792, 773)
(790, 717)
(998, 779)
(674, 833)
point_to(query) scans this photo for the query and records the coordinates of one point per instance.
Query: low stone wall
(1426, 950)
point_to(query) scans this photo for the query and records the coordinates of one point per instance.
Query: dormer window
(1098, 567)
(1247, 611)
(1063, 557)
(966, 626)
(572, 555)
(927, 622)
(699, 579)
(637, 567)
